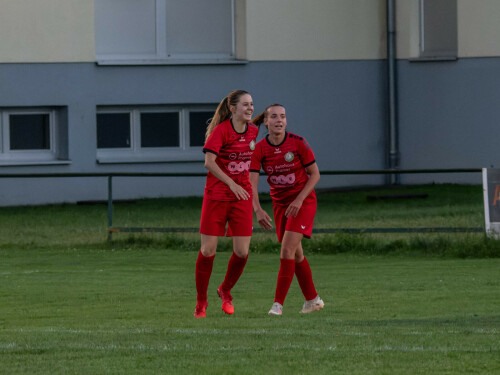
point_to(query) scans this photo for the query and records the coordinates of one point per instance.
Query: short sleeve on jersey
(305, 152)
(215, 141)
(255, 163)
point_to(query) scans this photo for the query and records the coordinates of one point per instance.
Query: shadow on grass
(429, 245)
(487, 321)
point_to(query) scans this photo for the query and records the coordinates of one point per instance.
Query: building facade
(104, 86)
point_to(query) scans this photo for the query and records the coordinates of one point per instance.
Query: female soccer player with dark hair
(292, 172)
(230, 141)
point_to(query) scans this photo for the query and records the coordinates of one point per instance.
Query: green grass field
(72, 303)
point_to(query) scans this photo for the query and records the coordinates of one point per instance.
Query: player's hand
(264, 219)
(240, 193)
(294, 208)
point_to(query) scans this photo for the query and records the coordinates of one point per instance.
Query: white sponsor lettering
(284, 166)
(245, 155)
(283, 180)
(235, 167)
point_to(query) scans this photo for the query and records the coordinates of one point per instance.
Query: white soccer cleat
(277, 309)
(312, 305)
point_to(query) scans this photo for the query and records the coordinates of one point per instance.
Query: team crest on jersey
(289, 156)
(252, 145)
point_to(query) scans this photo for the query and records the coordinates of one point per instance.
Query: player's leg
(304, 277)
(289, 244)
(204, 266)
(240, 224)
(303, 223)
(236, 263)
(212, 225)
(235, 268)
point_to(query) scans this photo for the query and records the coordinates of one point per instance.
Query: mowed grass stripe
(129, 311)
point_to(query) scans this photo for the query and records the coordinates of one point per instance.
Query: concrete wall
(281, 30)
(47, 31)
(315, 29)
(448, 116)
(338, 106)
(478, 28)
(323, 59)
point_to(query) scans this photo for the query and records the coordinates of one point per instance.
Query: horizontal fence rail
(315, 230)
(112, 229)
(203, 174)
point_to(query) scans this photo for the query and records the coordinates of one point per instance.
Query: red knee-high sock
(304, 277)
(235, 268)
(285, 277)
(204, 267)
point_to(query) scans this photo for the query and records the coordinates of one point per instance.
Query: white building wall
(282, 30)
(447, 110)
(44, 31)
(478, 28)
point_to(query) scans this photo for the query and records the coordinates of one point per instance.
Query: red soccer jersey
(233, 151)
(285, 165)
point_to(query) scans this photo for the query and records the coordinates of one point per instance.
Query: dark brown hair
(259, 119)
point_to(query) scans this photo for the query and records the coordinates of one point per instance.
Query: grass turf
(130, 312)
(71, 303)
(68, 226)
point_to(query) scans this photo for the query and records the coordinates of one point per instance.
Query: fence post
(110, 207)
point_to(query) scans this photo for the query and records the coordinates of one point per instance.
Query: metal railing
(112, 229)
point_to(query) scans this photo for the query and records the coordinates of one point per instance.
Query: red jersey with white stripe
(285, 165)
(233, 151)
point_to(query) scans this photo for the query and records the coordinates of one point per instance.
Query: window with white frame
(30, 135)
(151, 134)
(158, 31)
(438, 29)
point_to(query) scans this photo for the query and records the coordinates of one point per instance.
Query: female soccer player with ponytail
(292, 173)
(230, 141)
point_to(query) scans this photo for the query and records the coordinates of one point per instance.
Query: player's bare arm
(211, 165)
(262, 217)
(294, 207)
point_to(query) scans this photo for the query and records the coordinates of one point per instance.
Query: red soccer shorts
(215, 215)
(302, 223)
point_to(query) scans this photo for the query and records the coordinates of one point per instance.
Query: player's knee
(208, 252)
(208, 249)
(241, 252)
(287, 251)
(299, 257)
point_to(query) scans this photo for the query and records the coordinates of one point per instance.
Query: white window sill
(16, 163)
(111, 62)
(135, 159)
(433, 58)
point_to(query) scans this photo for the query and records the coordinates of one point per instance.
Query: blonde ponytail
(223, 112)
